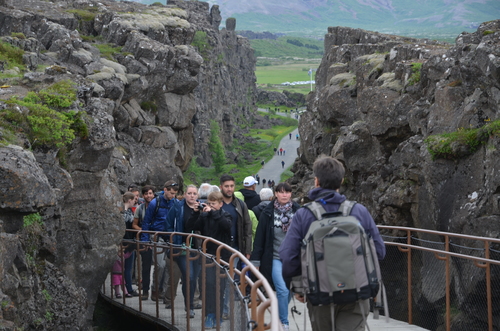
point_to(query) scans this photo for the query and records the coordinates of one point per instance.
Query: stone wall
(148, 109)
(371, 112)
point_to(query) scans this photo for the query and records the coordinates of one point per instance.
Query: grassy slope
(278, 74)
(281, 48)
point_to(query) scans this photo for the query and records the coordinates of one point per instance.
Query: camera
(201, 206)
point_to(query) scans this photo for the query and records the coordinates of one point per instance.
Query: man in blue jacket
(156, 220)
(329, 174)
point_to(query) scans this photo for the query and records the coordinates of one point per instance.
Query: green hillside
(287, 47)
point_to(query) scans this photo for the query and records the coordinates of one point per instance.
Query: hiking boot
(144, 295)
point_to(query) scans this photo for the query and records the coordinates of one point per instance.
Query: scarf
(284, 212)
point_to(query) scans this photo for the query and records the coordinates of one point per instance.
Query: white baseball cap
(249, 181)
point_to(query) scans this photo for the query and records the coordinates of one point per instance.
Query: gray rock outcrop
(147, 106)
(285, 98)
(377, 99)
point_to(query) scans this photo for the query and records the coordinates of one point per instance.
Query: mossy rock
(342, 79)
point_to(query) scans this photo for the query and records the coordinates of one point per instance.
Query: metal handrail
(445, 254)
(260, 306)
(261, 300)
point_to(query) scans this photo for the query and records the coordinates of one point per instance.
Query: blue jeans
(129, 264)
(282, 291)
(194, 270)
(211, 286)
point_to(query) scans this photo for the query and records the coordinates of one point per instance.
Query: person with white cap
(252, 199)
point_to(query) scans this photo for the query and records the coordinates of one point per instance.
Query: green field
(287, 46)
(278, 74)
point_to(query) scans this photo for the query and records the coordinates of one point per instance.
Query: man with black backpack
(350, 316)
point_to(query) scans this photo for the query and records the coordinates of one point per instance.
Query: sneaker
(225, 316)
(144, 295)
(286, 327)
(135, 293)
(197, 306)
(210, 322)
(191, 313)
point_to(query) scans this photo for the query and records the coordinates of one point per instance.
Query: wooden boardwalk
(178, 314)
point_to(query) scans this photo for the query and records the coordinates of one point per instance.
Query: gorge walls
(379, 102)
(147, 106)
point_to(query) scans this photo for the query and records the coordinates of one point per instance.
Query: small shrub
(200, 42)
(49, 316)
(487, 32)
(149, 106)
(157, 4)
(216, 148)
(32, 220)
(33, 228)
(39, 118)
(59, 95)
(461, 143)
(12, 55)
(18, 35)
(87, 15)
(46, 295)
(108, 51)
(415, 76)
(92, 39)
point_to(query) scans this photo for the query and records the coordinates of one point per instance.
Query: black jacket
(252, 199)
(215, 224)
(257, 210)
(263, 242)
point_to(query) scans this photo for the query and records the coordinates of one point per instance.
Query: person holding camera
(213, 222)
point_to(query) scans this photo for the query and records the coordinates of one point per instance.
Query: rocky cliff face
(147, 108)
(371, 110)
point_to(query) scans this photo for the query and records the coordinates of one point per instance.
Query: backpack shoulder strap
(346, 207)
(316, 208)
(157, 206)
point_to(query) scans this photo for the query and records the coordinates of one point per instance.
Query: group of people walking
(266, 227)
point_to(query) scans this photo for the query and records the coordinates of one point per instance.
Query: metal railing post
(488, 286)
(447, 263)
(410, 279)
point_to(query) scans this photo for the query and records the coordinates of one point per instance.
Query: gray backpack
(339, 261)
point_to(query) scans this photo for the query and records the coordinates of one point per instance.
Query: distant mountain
(435, 19)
